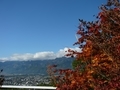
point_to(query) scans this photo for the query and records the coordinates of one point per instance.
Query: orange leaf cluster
(100, 56)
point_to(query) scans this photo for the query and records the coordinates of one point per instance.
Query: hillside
(33, 67)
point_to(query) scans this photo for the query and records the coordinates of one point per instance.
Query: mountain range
(34, 66)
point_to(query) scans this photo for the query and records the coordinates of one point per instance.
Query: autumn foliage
(100, 57)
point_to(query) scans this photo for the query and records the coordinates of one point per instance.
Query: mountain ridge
(34, 67)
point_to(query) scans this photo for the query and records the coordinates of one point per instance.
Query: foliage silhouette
(1, 78)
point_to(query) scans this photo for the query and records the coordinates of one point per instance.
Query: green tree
(78, 65)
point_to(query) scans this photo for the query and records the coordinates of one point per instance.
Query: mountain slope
(34, 67)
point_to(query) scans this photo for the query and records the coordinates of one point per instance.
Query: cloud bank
(38, 56)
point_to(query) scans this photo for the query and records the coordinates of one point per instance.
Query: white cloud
(25, 56)
(44, 55)
(38, 56)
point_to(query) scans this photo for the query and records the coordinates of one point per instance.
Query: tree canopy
(100, 44)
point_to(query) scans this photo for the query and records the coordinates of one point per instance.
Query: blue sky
(37, 27)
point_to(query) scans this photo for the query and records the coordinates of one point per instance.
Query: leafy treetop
(100, 44)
